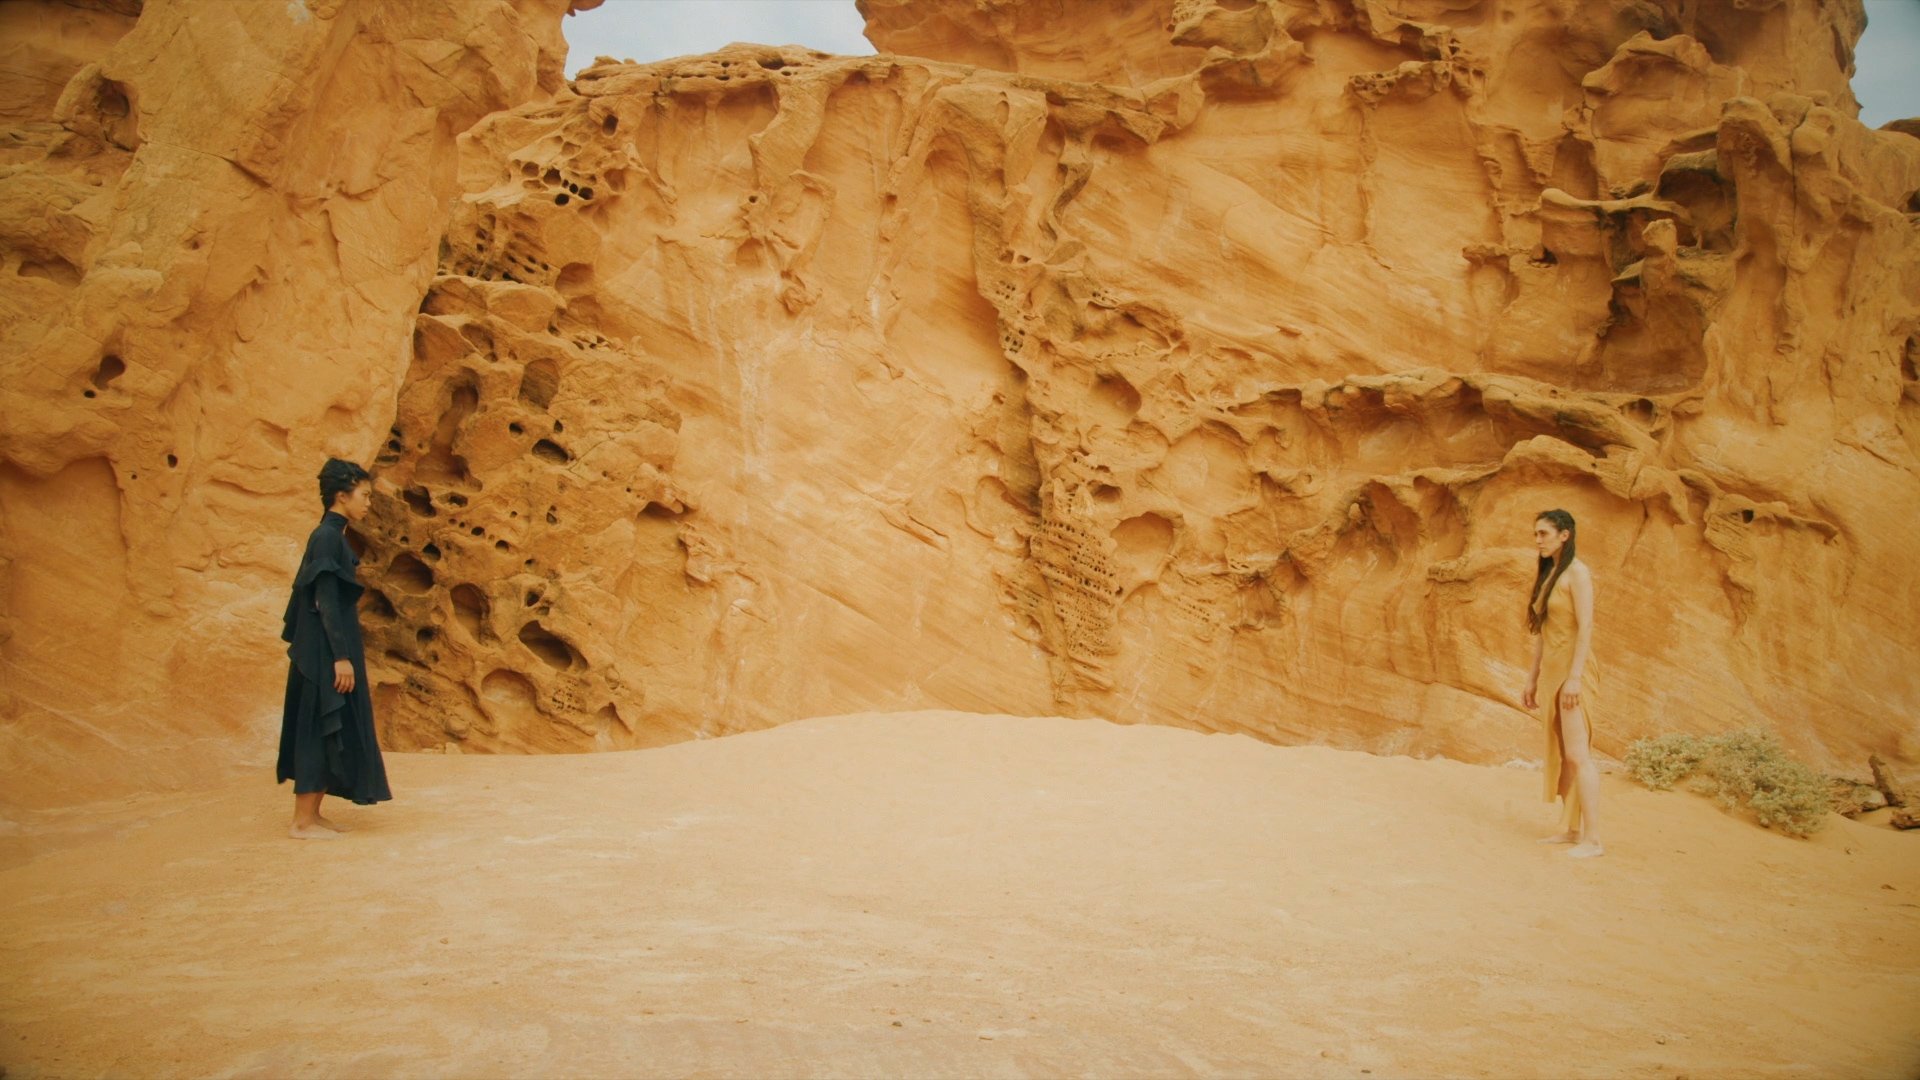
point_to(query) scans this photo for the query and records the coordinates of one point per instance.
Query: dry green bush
(1741, 769)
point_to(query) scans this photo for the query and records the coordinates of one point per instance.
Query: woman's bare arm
(1582, 582)
(1529, 697)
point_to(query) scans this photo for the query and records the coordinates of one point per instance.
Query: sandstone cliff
(1198, 363)
(216, 221)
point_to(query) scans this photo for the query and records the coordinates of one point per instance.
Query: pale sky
(1886, 63)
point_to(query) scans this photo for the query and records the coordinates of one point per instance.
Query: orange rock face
(1177, 362)
(216, 222)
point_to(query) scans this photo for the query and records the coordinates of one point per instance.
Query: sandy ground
(945, 895)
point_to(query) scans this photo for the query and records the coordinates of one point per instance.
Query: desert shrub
(1665, 760)
(1741, 769)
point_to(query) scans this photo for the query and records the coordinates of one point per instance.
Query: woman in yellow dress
(1560, 616)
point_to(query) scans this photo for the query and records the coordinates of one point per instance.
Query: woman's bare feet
(315, 831)
(329, 823)
(1588, 849)
(1557, 838)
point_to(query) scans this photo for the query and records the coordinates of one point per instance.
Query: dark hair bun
(338, 477)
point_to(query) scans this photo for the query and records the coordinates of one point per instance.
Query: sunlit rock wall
(1178, 362)
(1186, 363)
(216, 222)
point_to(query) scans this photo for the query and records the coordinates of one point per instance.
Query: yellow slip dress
(1556, 660)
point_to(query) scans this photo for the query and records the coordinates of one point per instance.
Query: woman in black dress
(327, 744)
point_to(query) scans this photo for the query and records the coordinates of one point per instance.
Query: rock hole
(574, 279)
(548, 450)
(87, 393)
(539, 383)
(478, 530)
(561, 199)
(511, 693)
(501, 545)
(456, 499)
(516, 428)
(552, 518)
(1141, 545)
(552, 649)
(1543, 256)
(409, 574)
(431, 551)
(424, 635)
(420, 501)
(586, 193)
(375, 605)
(113, 101)
(53, 268)
(533, 598)
(479, 337)
(1106, 493)
(470, 610)
(611, 124)
(173, 462)
(1746, 516)
(773, 64)
(111, 367)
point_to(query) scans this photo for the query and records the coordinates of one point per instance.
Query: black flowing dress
(327, 742)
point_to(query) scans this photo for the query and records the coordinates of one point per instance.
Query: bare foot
(1557, 838)
(329, 823)
(1589, 850)
(315, 831)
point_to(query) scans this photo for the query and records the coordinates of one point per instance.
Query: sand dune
(945, 894)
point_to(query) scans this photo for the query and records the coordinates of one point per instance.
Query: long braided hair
(1550, 567)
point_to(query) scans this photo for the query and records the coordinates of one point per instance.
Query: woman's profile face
(1548, 539)
(353, 505)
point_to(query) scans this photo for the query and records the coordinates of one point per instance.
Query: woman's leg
(1578, 757)
(326, 822)
(306, 818)
(1564, 788)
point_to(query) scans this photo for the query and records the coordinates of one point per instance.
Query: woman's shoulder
(327, 543)
(1577, 570)
(326, 531)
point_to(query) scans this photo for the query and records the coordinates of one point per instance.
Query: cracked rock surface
(1180, 362)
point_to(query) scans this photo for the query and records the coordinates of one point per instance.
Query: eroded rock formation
(1185, 362)
(216, 221)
